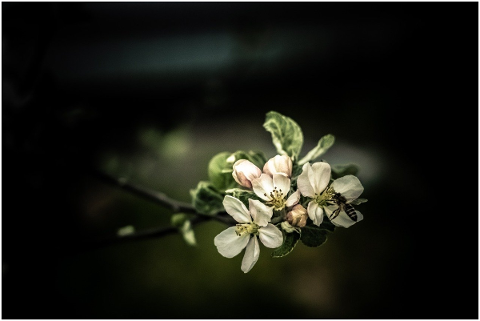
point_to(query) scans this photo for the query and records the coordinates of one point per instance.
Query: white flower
(280, 164)
(311, 183)
(244, 172)
(274, 190)
(350, 188)
(246, 234)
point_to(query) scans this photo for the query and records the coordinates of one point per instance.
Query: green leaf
(313, 235)
(323, 145)
(220, 172)
(181, 221)
(126, 230)
(289, 242)
(287, 136)
(327, 225)
(242, 194)
(188, 234)
(256, 157)
(178, 219)
(344, 169)
(206, 199)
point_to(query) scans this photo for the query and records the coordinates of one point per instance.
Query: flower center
(324, 198)
(247, 228)
(277, 199)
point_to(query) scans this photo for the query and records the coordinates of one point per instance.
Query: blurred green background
(149, 92)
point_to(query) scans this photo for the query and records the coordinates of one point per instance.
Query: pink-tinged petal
(280, 164)
(315, 213)
(229, 244)
(322, 173)
(293, 199)
(261, 213)
(252, 254)
(262, 186)
(303, 182)
(236, 209)
(344, 220)
(282, 183)
(244, 172)
(349, 186)
(270, 236)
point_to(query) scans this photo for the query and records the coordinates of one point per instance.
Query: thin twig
(159, 198)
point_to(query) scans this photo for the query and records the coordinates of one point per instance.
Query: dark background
(151, 91)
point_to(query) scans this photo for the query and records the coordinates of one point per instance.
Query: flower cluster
(289, 199)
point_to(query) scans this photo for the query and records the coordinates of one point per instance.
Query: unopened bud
(280, 164)
(244, 172)
(288, 228)
(297, 216)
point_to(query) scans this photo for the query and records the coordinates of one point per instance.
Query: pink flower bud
(244, 172)
(297, 216)
(280, 164)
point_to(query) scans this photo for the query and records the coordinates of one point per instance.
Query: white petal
(236, 209)
(281, 182)
(322, 173)
(344, 220)
(270, 236)
(251, 254)
(261, 213)
(263, 185)
(303, 182)
(315, 213)
(349, 186)
(293, 199)
(229, 244)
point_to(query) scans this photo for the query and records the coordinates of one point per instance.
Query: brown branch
(159, 198)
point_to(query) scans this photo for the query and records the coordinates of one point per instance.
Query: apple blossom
(253, 224)
(274, 190)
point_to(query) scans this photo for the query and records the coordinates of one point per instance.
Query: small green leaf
(126, 230)
(206, 199)
(289, 242)
(220, 172)
(313, 236)
(242, 194)
(287, 136)
(323, 145)
(188, 234)
(256, 157)
(344, 169)
(181, 221)
(178, 219)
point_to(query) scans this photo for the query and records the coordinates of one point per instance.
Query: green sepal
(220, 171)
(323, 145)
(344, 169)
(287, 136)
(289, 242)
(313, 235)
(181, 221)
(207, 199)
